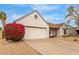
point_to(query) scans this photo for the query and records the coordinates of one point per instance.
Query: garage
(35, 33)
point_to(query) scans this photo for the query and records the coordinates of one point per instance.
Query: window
(36, 16)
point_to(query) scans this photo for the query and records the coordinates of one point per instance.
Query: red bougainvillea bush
(14, 31)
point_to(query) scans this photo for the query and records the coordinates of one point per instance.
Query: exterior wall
(61, 32)
(72, 31)
(47, 32)
(58, 32)
(31, 21)
(68, 31)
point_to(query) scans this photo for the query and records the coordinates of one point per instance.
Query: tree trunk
(3, 36)
(3, 33)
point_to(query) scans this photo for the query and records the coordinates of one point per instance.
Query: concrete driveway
(55, 46)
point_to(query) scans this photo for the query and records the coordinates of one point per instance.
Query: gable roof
(29, 14)
(71, 26)
(60, 25)
(55, 25)
(51, 25)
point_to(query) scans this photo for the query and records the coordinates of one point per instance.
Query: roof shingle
(55, 25)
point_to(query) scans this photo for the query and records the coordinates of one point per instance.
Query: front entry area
(53, 32)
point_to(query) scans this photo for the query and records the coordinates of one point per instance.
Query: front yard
(52, 46)
(16, 48)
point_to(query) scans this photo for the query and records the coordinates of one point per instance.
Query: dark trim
(36, 27)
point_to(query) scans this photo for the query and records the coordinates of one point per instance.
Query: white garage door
(35, 33)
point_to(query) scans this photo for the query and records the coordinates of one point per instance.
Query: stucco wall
(72, 31)
(61, 31)
(31, 21)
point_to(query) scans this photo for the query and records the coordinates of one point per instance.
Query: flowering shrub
(14, 31)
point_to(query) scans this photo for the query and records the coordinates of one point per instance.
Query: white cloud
(45, 8)
(54, 19)
(13, 17)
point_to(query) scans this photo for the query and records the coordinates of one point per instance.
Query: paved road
(55, 46)
(16, 48)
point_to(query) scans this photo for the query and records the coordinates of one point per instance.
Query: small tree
(3, 19)
(73, 13)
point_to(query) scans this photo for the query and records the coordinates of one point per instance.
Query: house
(36, 27)
(57, 30)
(60, 30)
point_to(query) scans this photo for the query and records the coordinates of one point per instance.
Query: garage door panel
(35, 33)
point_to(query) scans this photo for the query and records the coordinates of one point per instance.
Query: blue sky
(53, 13)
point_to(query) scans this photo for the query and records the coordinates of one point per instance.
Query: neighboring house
(57, 30)
(36, 27)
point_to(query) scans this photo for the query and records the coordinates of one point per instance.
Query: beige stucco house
(36, 27)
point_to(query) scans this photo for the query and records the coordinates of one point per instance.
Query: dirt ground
(16, 48)
(52, 46)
